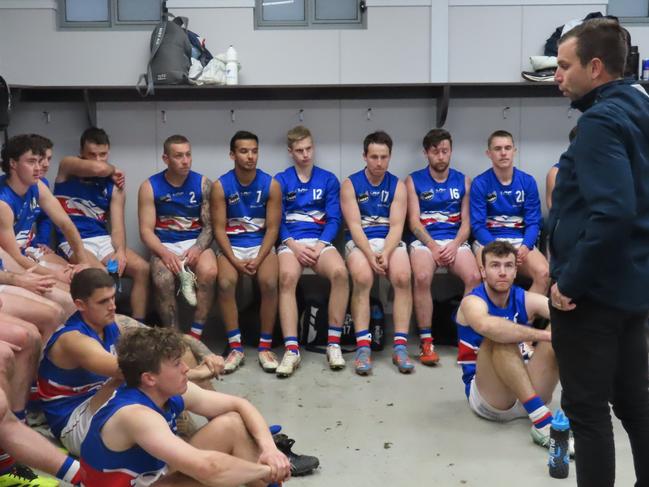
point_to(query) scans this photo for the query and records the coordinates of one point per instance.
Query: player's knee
(6, 360)
(142, 268)
(268, 286)
(401, 279)
(207, 274)
(288, 280)
(227, 284)
(4, 405)
(362, 280)
(339, 276)
(472, 279)
(164, 281)
(422, 278)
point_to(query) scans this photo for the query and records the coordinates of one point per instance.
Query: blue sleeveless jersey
(44, 225)
(108, 468)
(311, 209)
(440, 204)
(505, 211)
(62, 390)
(469, 340)
(25, 209)
(374, 203)
(87, 203)
(246, 208)
(178, 209)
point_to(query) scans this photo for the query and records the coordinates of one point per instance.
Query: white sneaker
(268, 361)
(187, 288)
(233, 361)
(335, 357)
(289, 363)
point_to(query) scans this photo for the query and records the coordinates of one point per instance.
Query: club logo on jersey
(233, 199)
(491, 197)
(166, 198)
(291, 196)
(426, 196)
(363, 197)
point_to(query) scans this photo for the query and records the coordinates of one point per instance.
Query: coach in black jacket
(599, 237)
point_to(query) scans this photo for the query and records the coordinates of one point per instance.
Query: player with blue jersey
(310, 223)
(374, 204)
(132, 441)
(505, 205)
(492, 322)
(79, 360)
(174, 213)
(438, 217)
(246, 206)
(22, 195)
(91, 191)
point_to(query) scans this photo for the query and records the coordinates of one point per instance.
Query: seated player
(246, 205)
(374, 204)
(174, 212)
(132, 440)
(493, 321)
(20, 347)
(310, 223)
(438, 217)
(22, 197)
(505, 206)
(79, 370)
(91, 191)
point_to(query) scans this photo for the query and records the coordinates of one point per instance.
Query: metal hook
(369, 114)
(505, 112)
(300, 115)
(48, 116)
(232, 117)
(163, 113)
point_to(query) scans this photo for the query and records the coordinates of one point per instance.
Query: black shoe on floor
(300, 464)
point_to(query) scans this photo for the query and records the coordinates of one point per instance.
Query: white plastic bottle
(231, 66)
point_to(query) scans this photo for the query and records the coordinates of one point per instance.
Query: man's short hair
(14, 148)
(601, 38)
(85, 282)
(296, 134)
(380, 138)
(497, 248)
(173, 139)
(435, 136)
(94, 135)
(499, 133)
(41, 144)
(143, 349)
(242, 135)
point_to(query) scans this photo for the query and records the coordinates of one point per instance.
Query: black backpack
(171, 52)
(313, 326)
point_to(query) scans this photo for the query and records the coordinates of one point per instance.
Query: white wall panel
(484, 44)
(395, 48)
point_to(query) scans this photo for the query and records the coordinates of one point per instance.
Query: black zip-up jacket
(599, 223)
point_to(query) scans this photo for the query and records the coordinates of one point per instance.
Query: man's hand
(436, 250)
(199, 373)
(448, 253)
(215, 363)
(35, 283)
(280, 467)
(559, 301)
(375, 260)
(305, 255)
(252, 265)
(521, 254)
(241, 265)
(171, 261)
(120, 257)
(12, 347)
(119, 178)
(192, 255)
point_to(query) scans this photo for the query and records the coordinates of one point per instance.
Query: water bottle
(112, 266)
(377, 323)
(231, 66)
(559, 461)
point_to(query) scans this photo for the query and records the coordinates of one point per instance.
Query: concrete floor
(396, 429)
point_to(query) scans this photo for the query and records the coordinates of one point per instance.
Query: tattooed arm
(206, 236)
